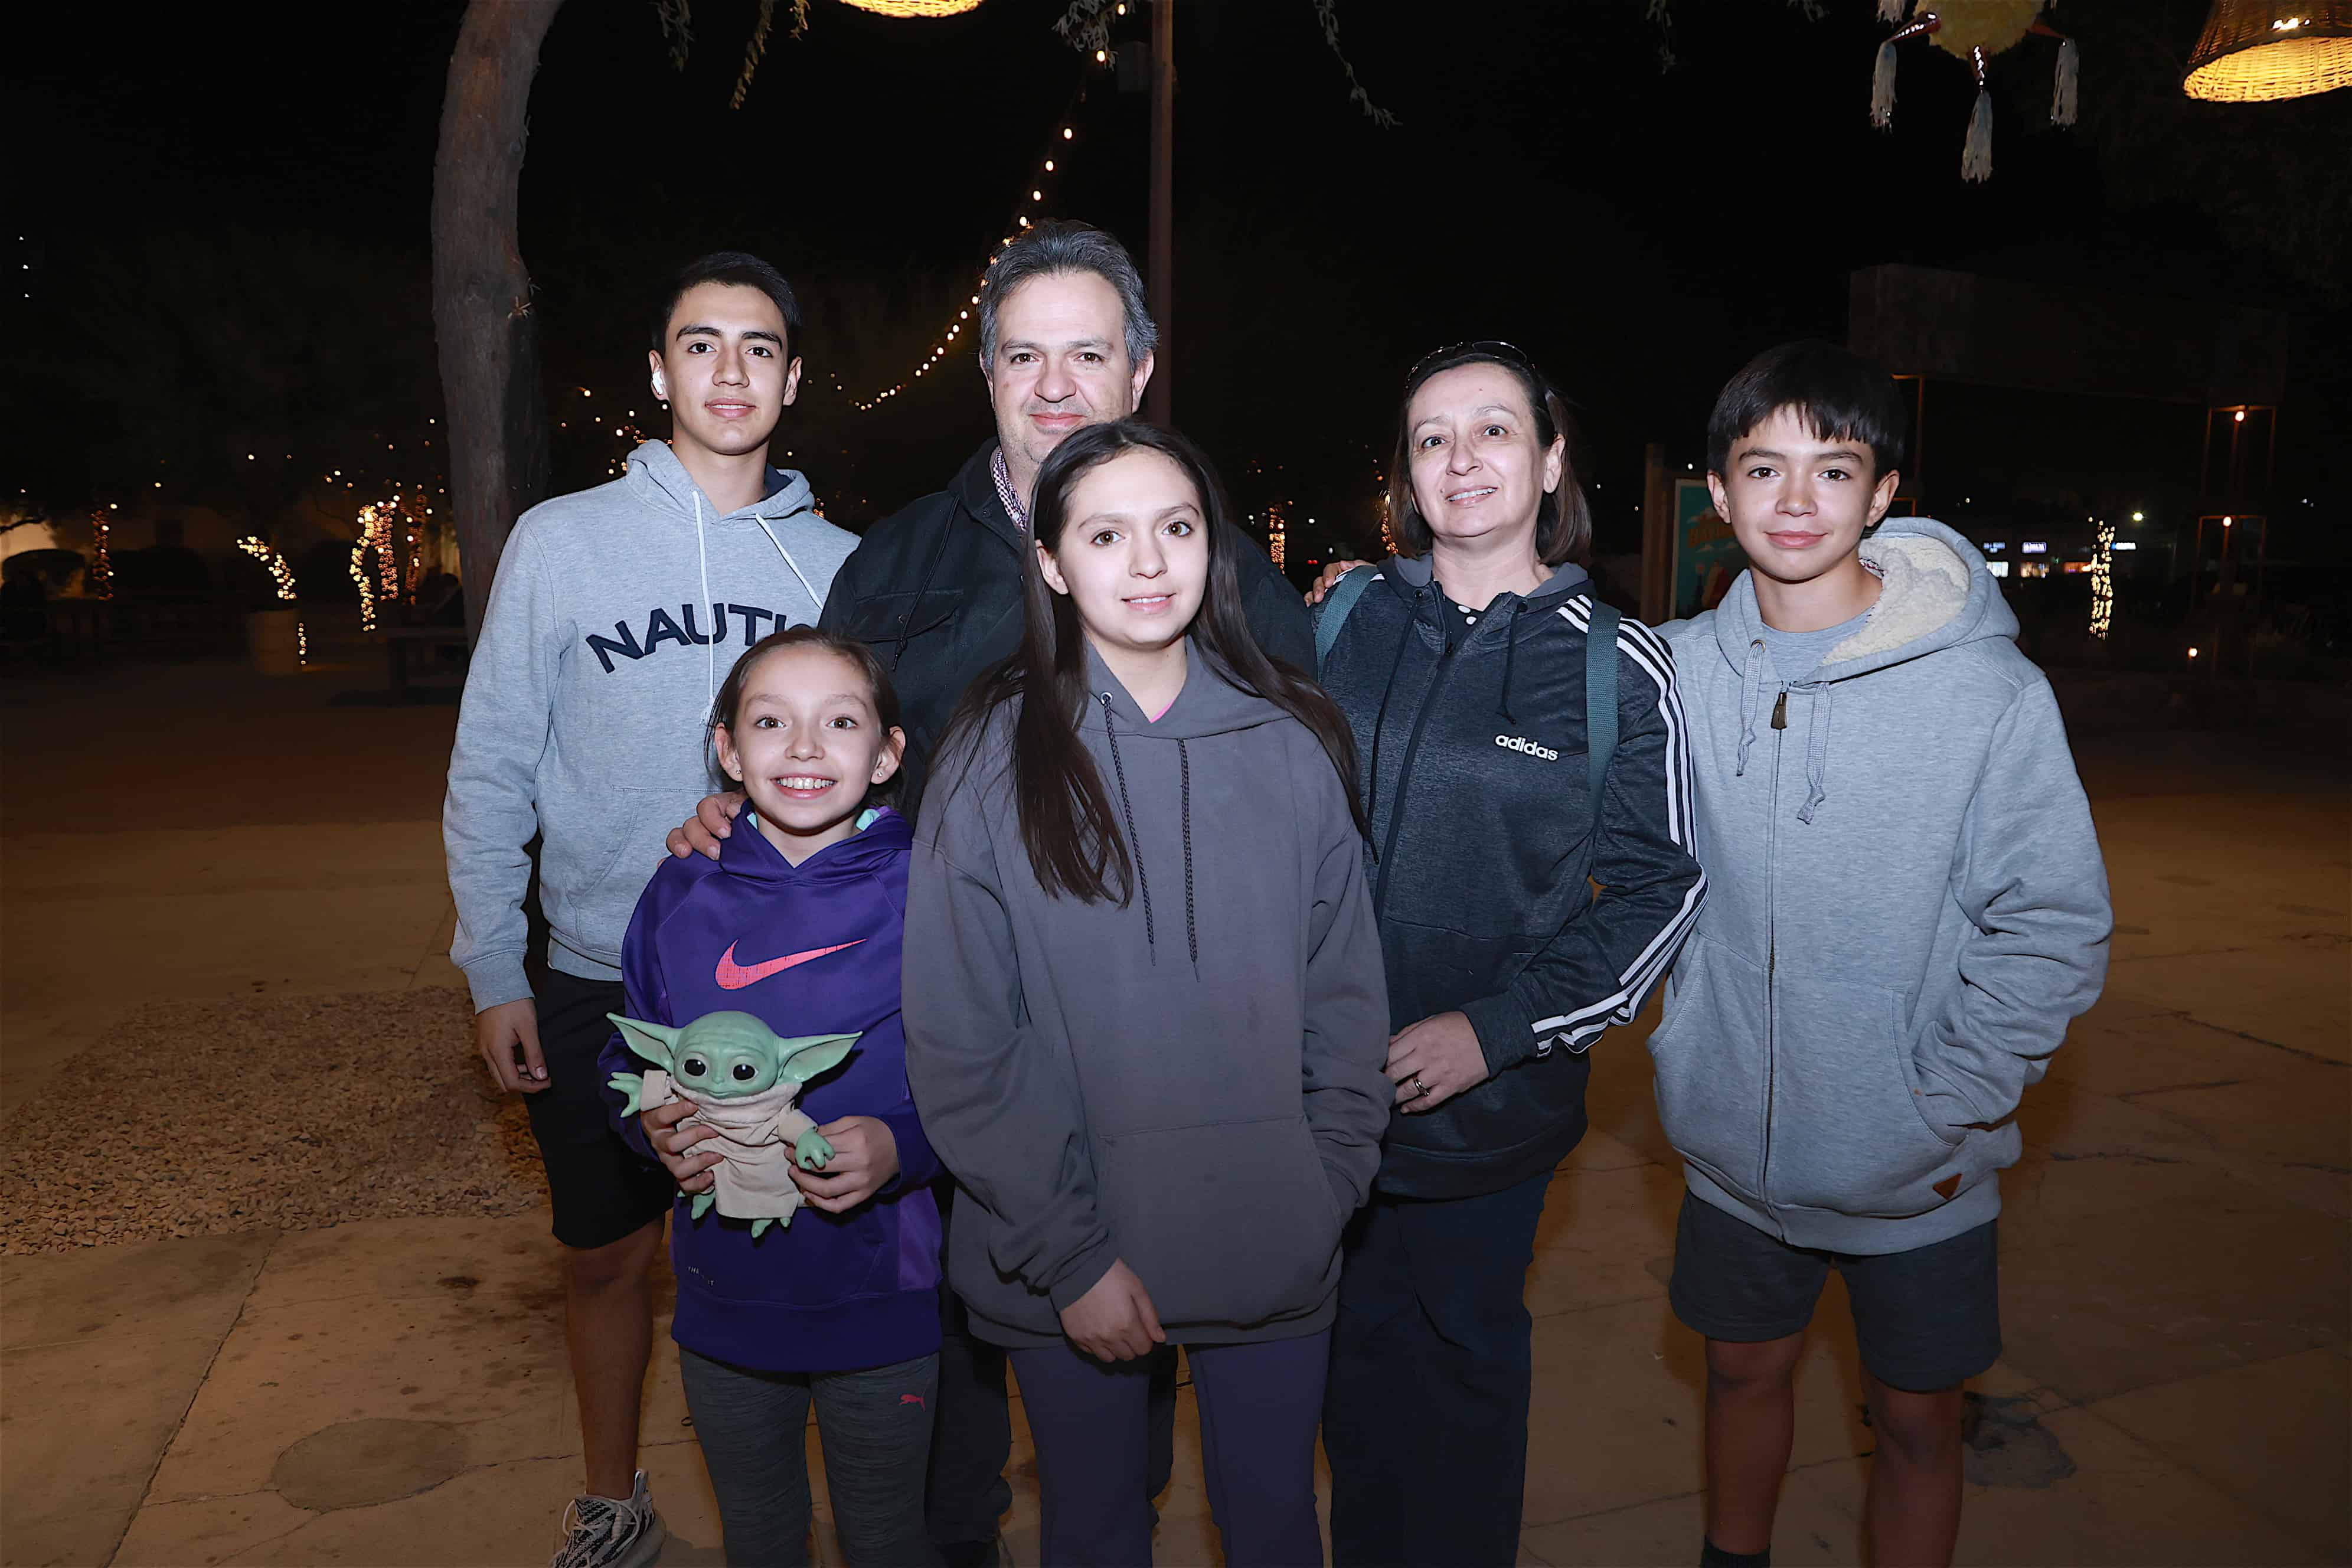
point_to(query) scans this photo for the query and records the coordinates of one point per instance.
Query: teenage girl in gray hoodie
(1145, 1015)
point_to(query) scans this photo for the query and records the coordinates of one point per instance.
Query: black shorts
(1927, 1319)
(602, 1190)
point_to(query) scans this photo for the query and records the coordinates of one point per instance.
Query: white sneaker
(599, 1532)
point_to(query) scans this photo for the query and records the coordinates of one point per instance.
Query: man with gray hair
(1066, 342)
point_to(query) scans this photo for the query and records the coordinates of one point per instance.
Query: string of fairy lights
(1026, 217)
(2102, 581)
(282, 574)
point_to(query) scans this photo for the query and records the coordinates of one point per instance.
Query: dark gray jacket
(1475, 780)
(1192, 1082)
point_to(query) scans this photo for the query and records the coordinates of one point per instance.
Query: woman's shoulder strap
(1332, 613)
(1599, 701)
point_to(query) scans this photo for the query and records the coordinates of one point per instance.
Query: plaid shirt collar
(1006, 493)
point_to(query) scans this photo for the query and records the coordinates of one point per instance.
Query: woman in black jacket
(1462, 666)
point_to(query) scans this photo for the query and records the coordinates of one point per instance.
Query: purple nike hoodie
(811, 949)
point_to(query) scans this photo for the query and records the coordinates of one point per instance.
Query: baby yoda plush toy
(741, 1079)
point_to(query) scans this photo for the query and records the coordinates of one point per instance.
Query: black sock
(1710, 1555)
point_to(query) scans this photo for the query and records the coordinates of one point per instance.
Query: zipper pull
(1780, 710)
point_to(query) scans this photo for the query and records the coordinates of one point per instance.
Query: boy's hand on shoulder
(865, 1158)
(674, 1145)
(1115, 1320)
(713, 820)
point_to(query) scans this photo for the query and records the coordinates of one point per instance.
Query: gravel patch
(282, 1114)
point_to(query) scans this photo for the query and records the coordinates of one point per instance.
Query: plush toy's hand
(628, 1083)
(812, 1151)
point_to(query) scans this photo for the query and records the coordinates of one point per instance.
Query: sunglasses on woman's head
(1477, 348)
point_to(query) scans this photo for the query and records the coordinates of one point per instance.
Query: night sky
(1641, 229)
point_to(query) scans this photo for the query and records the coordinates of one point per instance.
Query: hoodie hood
(863, 854)
(1419, 572)
(1935, 594)
(658, 479)
(1210, 704)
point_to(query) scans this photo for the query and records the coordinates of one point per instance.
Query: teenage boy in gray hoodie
(1908, 904)
(615, 614)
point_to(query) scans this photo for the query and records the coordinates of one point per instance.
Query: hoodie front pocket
(1232, 1223)
(1708, 1053)
(1847, 1134)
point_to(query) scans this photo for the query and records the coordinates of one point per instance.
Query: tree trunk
(497, 438)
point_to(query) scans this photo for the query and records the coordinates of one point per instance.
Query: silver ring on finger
(1421, 1089)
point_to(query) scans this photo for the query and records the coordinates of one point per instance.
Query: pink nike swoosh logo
(734, 976)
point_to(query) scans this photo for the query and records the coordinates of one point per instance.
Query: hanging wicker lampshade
(915, 7)
(2257, 49)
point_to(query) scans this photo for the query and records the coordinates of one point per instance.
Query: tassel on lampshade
(2253, 51)
(1975, 30)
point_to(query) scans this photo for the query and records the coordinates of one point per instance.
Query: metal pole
(1159, 398)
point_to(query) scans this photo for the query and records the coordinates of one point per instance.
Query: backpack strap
(1600, 704)
(1332, 613)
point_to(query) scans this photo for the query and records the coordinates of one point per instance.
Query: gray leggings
(876, 1426)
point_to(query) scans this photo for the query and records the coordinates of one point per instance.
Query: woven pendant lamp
(2257, 49)
(915, 7)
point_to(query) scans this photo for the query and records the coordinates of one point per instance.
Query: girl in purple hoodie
(800, 924)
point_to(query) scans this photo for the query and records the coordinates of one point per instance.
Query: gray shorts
(1927, 1319)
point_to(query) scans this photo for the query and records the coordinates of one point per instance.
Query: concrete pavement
(2176, 1271)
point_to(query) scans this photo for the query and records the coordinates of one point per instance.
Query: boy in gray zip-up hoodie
(614, 616)
(1907, 906)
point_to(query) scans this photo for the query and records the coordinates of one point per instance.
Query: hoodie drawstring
(710, 643)
(1127, 811)
(1817, 754)
(1379, 722)
(1752, 682)
(1510, 650)
(1135, 845)
(1191, 930)
(807, 586)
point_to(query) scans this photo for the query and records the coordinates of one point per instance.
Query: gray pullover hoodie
(1907, 905)
(1191, 1082)
(615, 614)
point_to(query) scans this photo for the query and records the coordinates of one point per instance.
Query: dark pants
(1426, 1422)
(875, 1428)
(1258, 1404)
(972, 1431)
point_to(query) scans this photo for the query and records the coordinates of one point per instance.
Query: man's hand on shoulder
(1330, 579)
(713, 820)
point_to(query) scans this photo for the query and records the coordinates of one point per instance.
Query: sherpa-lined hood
(1934, 593)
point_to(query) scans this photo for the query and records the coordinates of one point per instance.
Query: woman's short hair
(1563, 517)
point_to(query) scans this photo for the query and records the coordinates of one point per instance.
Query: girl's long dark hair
(1068, 824)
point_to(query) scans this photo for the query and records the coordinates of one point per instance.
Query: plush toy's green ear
(810, 1054)
(655, 1041)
